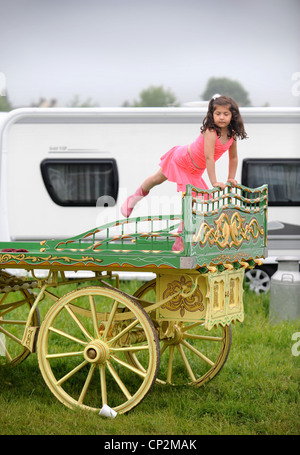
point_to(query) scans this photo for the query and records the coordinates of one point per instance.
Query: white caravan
(64, 171)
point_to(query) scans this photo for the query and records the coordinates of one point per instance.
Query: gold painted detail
(29, 338)
(228, 232)
(7, 257)
(236, 257)
(191, 303)
(225, 298)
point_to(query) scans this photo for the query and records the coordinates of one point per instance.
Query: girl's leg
(178, 244)
(153, 180)
(141, 192)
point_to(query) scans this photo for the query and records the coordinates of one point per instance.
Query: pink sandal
(131, 201)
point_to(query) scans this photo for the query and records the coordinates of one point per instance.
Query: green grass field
(256, 392)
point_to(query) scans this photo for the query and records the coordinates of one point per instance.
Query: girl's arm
(209, 151)
(233, 162)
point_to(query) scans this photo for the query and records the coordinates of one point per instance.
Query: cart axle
(96, 352)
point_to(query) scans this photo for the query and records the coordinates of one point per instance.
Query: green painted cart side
(111, 341)
(219, 227)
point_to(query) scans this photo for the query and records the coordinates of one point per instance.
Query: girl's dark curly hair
(236, 126)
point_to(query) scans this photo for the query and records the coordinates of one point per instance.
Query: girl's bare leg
(142, 191)
(153, 180)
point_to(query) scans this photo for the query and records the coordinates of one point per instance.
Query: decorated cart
(98, 345)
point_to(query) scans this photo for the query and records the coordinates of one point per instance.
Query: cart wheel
(193, 355)
(83, 345)
(14, 310)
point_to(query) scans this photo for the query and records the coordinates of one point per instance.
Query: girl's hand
(220, 185)
(233, 182)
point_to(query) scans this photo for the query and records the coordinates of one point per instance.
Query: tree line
(156, 96)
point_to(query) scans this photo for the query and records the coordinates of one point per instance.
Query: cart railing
(225, 225)
(212, 223)
(151, 233)
(215, 227)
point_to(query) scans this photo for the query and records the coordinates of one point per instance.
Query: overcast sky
(110, 50)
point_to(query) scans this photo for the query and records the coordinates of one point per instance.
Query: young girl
(221, 127)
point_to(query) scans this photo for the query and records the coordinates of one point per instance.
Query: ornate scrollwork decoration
(193, 302)
(228, 232)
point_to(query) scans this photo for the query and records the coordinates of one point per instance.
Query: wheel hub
(177, 336)
(96, 352)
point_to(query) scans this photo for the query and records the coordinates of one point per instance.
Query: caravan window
(281, 175)
(81, 182)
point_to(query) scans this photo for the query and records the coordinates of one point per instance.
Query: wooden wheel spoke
(71, 373)
(8, 307)
(10, 335)
(186, 362)
(170, 363)
(12, 322)
(79, 323)
(190, 326)
(140, 373)
(60, 355)
(163, 349)
(103, 384)
(110, 319)
(3, 298)
(86, 384)
(143, 347)
(124, 331)
(202, 337)
(118, 380)
(94, 316)
(67, 335)
(198, 353)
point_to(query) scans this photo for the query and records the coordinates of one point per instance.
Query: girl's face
(222, 116)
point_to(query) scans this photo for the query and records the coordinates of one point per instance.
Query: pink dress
(178, 166)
